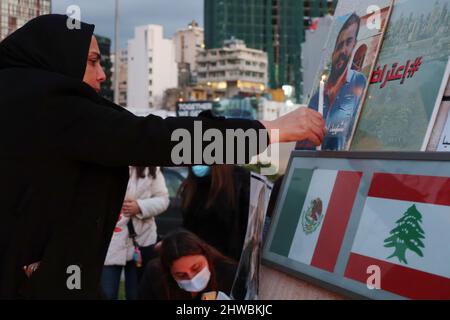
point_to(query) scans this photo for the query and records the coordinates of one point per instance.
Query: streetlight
(116, 50)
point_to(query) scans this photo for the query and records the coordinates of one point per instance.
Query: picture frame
(404, 98)
(331, 260)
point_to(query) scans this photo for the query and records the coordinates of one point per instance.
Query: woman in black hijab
(64, 156)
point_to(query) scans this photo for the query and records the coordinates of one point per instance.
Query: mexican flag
(405, 230)
(315, 216)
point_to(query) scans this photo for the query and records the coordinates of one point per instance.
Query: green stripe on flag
(291, 211)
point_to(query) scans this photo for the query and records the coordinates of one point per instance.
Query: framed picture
(409, 80)
(367, 225)
(347, 62)
(440, 137)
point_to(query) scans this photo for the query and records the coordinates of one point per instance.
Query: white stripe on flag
(379, 218)
(321, 186)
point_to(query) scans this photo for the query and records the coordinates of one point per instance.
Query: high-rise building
(15, 13)
(274, 26)
(189, 43)
(233, 70)
(123, 75)
(104, 45)
(152, 68)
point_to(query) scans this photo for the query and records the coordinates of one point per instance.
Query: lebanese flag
(319, 234)
(405, 230)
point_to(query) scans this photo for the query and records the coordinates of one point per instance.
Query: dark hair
(182, 243)
(353, 19)
(140, 172)
(222, 180)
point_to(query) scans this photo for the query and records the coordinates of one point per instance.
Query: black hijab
(57, 210)
(46, 43)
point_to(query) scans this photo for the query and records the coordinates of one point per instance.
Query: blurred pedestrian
(146, 197)
(215, 206)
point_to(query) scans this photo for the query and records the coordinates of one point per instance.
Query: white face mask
(197, 283)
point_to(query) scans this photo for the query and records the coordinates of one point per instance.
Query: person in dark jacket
(64, 157)
(187, 268)
(215, 205)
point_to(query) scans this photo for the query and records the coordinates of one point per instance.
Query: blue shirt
(341, 117)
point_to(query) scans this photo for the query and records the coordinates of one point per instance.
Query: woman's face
(188, 267)
(94, 74)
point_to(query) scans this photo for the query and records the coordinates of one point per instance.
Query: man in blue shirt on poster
(344, 89)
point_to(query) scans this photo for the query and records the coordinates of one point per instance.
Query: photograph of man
(343, 89)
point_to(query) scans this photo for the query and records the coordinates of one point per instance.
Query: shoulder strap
(131, 232)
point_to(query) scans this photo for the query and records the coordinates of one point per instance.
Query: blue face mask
(201, 171)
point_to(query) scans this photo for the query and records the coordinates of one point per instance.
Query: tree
(408, 235)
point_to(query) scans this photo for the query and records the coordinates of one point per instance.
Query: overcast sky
(171, 14)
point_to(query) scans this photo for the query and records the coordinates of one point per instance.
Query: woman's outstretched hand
(301, 124)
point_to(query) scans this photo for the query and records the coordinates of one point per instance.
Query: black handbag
(146, 253)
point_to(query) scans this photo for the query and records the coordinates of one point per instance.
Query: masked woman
(187, 269)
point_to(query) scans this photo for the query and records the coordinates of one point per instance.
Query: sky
(171, 14)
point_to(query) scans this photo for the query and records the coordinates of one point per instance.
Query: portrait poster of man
(347, 63)
(409, 80)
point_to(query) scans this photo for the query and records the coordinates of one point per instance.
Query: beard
(339, 67)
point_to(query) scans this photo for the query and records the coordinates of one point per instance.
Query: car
(172, 218)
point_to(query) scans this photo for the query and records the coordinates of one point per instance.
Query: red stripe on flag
(403, 281)
(424, 189)
(336, 219)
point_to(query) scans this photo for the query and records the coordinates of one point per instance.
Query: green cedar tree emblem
(408, 235)
(312, 217)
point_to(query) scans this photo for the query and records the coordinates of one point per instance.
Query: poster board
(440, 137)
(338, 213)
(347, 62)
(193, 108)
(246, 282)
(409, 80)
(444, 141)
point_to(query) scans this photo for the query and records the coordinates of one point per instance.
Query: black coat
(64, 156)
(222, 226)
